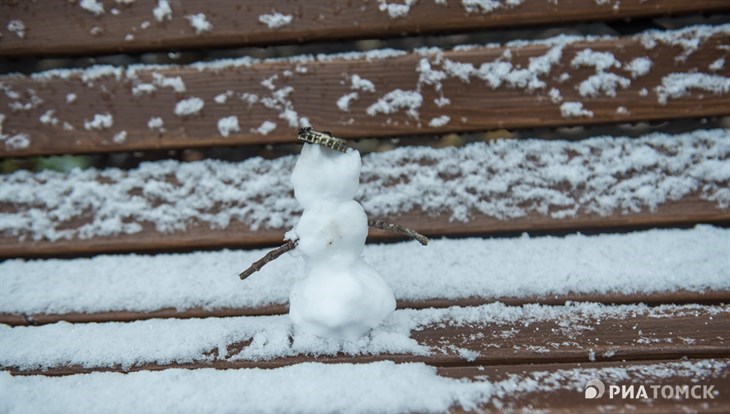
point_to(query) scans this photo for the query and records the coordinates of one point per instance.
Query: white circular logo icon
(594, 389)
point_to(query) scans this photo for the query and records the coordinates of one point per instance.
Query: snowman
(340, 296)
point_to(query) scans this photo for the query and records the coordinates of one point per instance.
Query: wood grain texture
(288, 94)
(122, 27)
(686, 212)
(707, 297)
(698, 332)
(559, 387)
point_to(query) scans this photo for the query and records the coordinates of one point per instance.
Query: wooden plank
(133, 27)
(560, 387)
(689, 211)
(565, 334)
(707, 297)
(428, 92)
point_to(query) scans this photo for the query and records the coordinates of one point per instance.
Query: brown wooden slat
(688, 211)
(696, 334)
(561, 397)
(708, 297)
(318, 85)
(236, 23)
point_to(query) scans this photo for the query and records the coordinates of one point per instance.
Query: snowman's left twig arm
(270, 256)
(397, 228)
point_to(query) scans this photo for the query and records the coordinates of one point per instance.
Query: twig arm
(397, 228)
(270, 256)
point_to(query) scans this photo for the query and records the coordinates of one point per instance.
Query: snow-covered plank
(560, 81)
(487, 334)
(125, 26)
(484, 188)
(382, 387)
(670, 266)
(561, 387)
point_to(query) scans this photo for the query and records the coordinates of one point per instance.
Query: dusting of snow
(275, 20)
(100, 121)
(49, 118)
(70, 98)
(361, 84)
(717, 65)
(265, 128)
(17, 27)
(228, 125)
(199, 22)
(396, 100)
(555, 95)
(525, 177)
(143, 89)
(162, 11)
(677, 85)
(15, 142)
(396, 10)
(157, 341)
(344, 102)
(602, 83)
(156, 123)
(639, 67)
(488, 6)
(223, 97)
(176, 82)
(190, 106)
(439, 121)
(120, 137)
(92, 6)
(574, 109)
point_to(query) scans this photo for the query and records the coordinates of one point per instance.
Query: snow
(641, 263)
(344, 102)
(92, 6)
(488, 6)
(120, 137)
(15, 142)
(100, 121)
(158, 341)
(223, 97)
(275, 20)
(395, 100)
(678, 85)
(188, 107)
(439, 121)
(717, 65)
(396, 10)
(526, 177)
(199, 22)
(574, 109)
(639, 67)
(340, 296)
(162, 11)
(70, 98)
(361, 84)
(17, 27)
(228, 125)
(315, 388)
(143, 89)
(302, 388)
(155, 123)
(49, 118)
(602, 83)
(265, 128)
(176, 82)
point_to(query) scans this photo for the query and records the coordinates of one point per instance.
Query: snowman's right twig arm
(397, 228)
(270, 256)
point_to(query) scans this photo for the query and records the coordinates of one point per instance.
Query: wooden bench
(121, 269)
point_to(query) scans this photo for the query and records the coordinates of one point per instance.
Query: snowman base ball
(340, 295)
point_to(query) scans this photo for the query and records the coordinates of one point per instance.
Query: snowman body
(340, 296)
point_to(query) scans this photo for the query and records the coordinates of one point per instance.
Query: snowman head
(325, 175)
